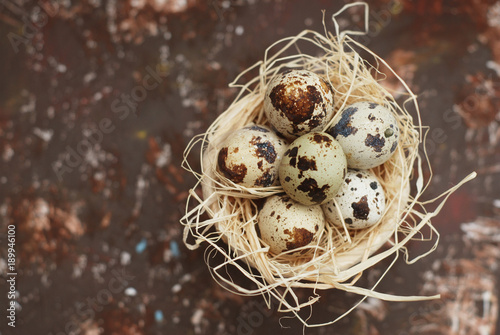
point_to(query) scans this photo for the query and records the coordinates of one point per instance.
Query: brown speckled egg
(313, 168)
(286, 225)
(368, 133)
(361, 201)
(298, 102)
(251, 156)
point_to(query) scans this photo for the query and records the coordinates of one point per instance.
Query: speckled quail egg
(298, 102)
(285, 224)
(313, 168)
(361, 200)
(251, 156)
(368, 133)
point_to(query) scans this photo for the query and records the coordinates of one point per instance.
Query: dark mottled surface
(343, 126)
(314, 192)
(85, 221)
(376, 142)
(292, 153)
(361, 209)
(296, 102)
(299, 237)
(322, 139)
(305, 163)
(267, 179)
(234, 172)
(264, 149)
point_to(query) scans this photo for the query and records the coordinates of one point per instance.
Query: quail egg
(361, 201)
(368, 133)
(313, 168)
(285, 224)
(298, 102)
(251, 156)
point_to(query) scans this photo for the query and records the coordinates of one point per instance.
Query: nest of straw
(221, 210)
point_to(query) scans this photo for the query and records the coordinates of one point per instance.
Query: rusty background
(98, 99)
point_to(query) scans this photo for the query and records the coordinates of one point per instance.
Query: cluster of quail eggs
(325, 174)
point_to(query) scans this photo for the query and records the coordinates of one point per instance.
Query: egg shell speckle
(313, 168)
(298, 102)
(251, 156)
(361, 200)
(368, 133)
(285, 224)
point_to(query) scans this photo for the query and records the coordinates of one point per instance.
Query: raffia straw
(219, 210)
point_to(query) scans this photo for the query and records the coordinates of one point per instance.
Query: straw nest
(218, 209)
